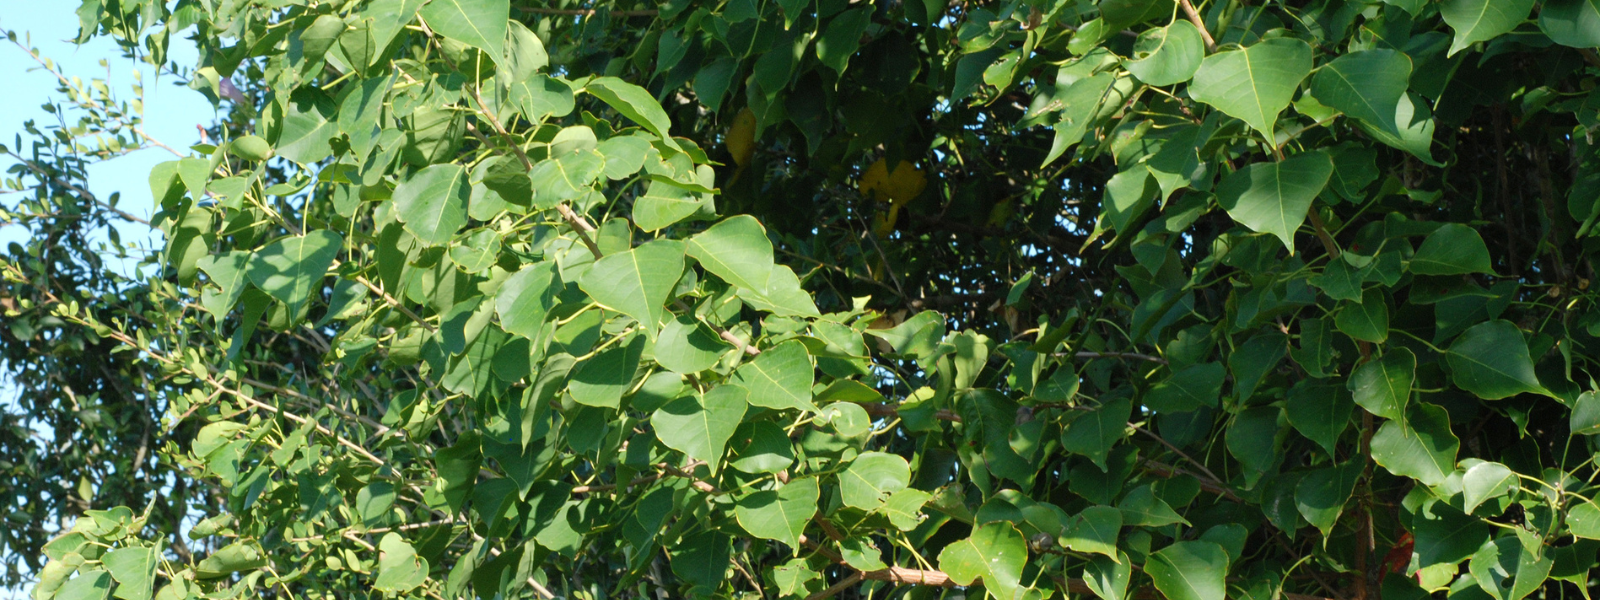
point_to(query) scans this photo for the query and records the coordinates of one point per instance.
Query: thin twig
(1128, 355)
(587, 12)
(83, 193)
(1180, 453)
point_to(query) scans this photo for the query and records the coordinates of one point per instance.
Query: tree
(1135, 298)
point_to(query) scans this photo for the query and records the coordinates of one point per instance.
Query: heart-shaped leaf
(1168, 55)
(1254, 84)
(1482, 20)
(995, 554)
(433, 203)
(637, 282)
(871, 478)
(291, 268)
(701, 426)
(1366, 85)
(779, 514)
(1190, 571)
(1274, 197)
(1491, 360)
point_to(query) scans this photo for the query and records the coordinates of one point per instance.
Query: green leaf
(737, 250)
(1108, 577)
(525, 299)
(1081, 102)
(1274, 197)
(1422, 448)
(1093, 434)
(1574, 23)
(637, 282)
(701, 426)
(1321, 495)
(779, 515)
(1445, 535)
(134, 568)
(1482, 20)
(1315, 352)
(1255, 358)
(1366, 85)
(1193, 387)
(1167, 55)
(1141, 508)
(1320, 411)
(1120, 14)
(1414, 119)
(1094, 531)
(1483, 481)
(634, 103)
(1383, 386)
(904, 508)
(871, 478)
(1585, 418)
(995, 553)
(92, 584)
(195, 172)
(1491, 360)
(1128, 194)
(1507, 570)
(524, 55)
(478, 252)
(688, 346)
(783, 297)
(625, 155)
(306, 129)
(477, 23)
(230, 559)
(292, 268)
(779, 378)
(1253, 439)
(702, 560)
(541, 97)
(190, 240)
(433, 203)
(1452, 249)
(399, 568)
(569, 176)
(605, 377)
(1190, 571)
(1339, 280)
(842, 38)
(1254, 84)
(228, 271)
(1583, 519)
(761, 447)
(1367, 320)
(861, 554)
(664, 204)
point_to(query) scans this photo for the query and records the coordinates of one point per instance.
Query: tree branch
(1199, 23)
(1127, 355)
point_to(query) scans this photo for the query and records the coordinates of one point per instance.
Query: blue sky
(171, 112)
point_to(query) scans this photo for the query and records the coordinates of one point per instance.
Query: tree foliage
(814, 298)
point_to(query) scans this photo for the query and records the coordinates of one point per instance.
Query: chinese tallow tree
(1019, 299)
